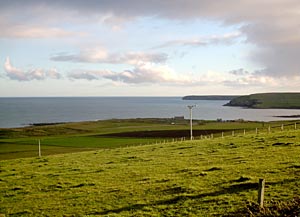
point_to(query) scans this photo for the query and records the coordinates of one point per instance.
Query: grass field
(208, 177)
(74, 137)
(199, 178)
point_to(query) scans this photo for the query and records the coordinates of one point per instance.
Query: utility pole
(191, 119)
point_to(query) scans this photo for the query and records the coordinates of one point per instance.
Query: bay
(18, 112)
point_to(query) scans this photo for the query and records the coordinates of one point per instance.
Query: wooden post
(40, 153)
(281, 126)
(233, 133)
(244, 132)
(256, 131)
(269, 129)
(261, 192)
(212, 135)
(222, 134)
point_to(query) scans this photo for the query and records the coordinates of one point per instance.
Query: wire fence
(235, 133)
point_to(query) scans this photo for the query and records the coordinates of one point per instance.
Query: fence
(235, 133)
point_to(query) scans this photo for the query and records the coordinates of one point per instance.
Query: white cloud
(14, 73)
(145, 73)
(13, 30)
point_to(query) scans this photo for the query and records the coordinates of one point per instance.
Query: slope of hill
(268, 100)
(209, 177)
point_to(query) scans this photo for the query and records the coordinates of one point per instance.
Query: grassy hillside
(209, 177)
(268, 100)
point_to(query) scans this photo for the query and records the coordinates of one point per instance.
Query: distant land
(267, 101)
(210, 97)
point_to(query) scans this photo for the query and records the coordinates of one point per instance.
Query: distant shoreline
(287, 116)
(209, 97)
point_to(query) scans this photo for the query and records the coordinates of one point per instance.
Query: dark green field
(213, 176)
(74, 137)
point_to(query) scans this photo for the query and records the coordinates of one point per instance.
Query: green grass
(209, 177)
(55, 139)
(268, 100)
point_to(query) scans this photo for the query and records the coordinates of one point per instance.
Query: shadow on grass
(229, 190)
(233, 189)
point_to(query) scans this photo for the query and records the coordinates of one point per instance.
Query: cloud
(239, 72)
(102, 56)
(88, 74)
(23, 31)
(146, 74)
(253, 81)
(203, 41)
(14, 73)
(243, 78)
(17, 30)
(271, 26)
(140, 74)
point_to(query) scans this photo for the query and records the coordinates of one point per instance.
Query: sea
(20, 112)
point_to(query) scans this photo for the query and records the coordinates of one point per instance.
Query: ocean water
(18, 112)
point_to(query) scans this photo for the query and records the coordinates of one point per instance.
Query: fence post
(281, 127)
(40, 153)
(222, 134)
(261, 192)
(244, 132)
(269, 129)
(233, 133)
(256, 131)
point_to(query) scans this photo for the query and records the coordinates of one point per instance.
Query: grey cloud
(203, 41)
(100, 56)
(272, 26)
(137, 76)
(239, 72)
(88, 74)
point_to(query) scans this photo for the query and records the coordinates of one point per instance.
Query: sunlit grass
(193, 178)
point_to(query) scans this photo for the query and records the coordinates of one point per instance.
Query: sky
(148, 47)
